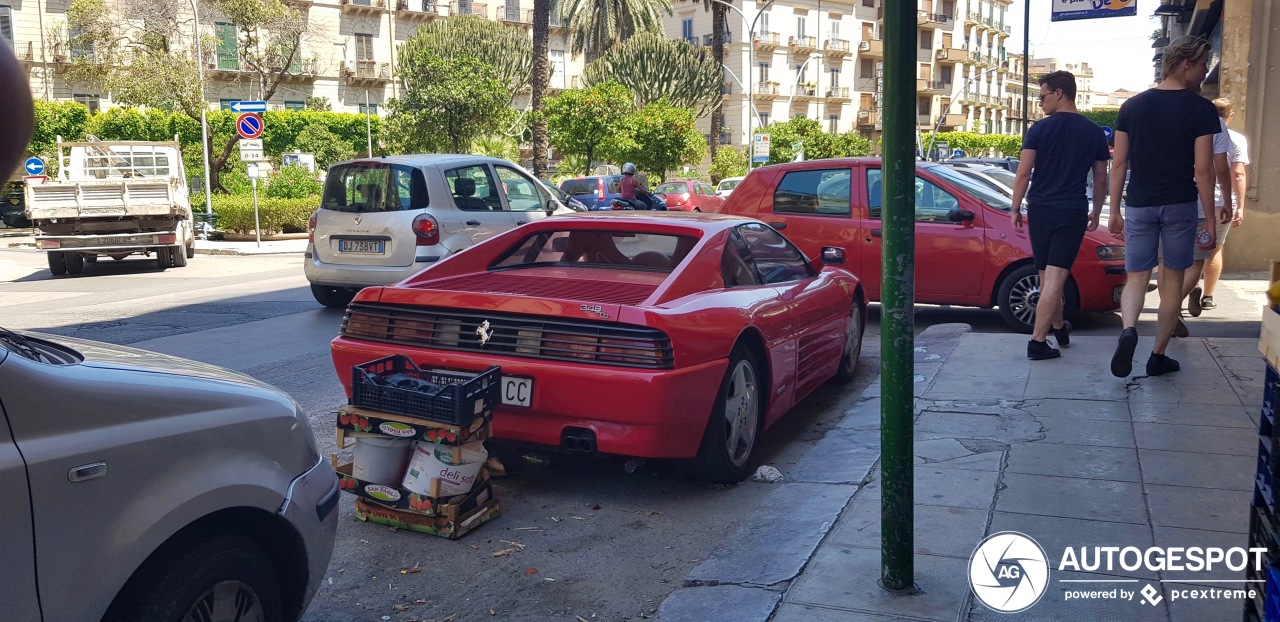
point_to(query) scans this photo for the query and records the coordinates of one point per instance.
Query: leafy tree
(597, 25)
(852, 144)
(720, 32)
(973, 143)
(319, 104)
(327, 146)
(506, 50)
(447, 103)
(588, 122)
(1105, 118)
(728, 162)
(661, 137)
(496, 146)
(655, 67)
(53, 119)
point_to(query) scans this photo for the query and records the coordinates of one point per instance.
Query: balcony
(366, 73)
(766, 90)
(973, 19)
(416, 10)
(954, 121)
(1003, 30)
(708, 42)
(806, 92)
(924, 121)
(952, 55)
(932, 87)
(871, 48)
(803, 45)
(25, 53)
(926, 19)
(767, 41)
(837, 48)
(220, 65)
(573, 83)
(473, 8)
(554, 20)
(969, 98)
(868, 118)
(727, 88)
(868, 85)
(362, 7)
(303, 72)
(838, 94)
(513, 15)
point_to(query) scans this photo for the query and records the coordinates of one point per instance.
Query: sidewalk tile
(1053, 606)
(957, 488)
(986, 461)
(846, 577)
(943, 531)
(1176, 468)
(1199, 508)
(1189, 393)
(1089, 499)
(803, 613)
(1056, 534)
(1012, 426)
(1190, 414)
(1197, 438)
(964, 384)
(1044, 384)
(1087, 462)
(1168, 537)
(1079, 410)
(1196, 610)
(1096, 433)
(719, 602)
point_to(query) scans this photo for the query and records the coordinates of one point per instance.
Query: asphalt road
(582, 537)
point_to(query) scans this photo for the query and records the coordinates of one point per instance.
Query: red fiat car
(967, 251)
(653, 335)
(690, 195)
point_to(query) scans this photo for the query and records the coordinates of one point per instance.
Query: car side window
(473, 189)
(522, 193)
(776, 259)
(933, 204)
(823, 192)
(736, 264)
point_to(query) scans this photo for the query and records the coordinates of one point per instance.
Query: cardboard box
(451, 528)
(444, 470)
(1269, 344)
(351, 418)
(397, 498)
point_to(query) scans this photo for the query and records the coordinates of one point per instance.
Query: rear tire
(191, 580)
(729, 440)
(191, 249)
(91, 259)
(163, 260)
(179, 256)
(57, 264)
(75, 263)
(852, 353)
(1020, 292)
(333, 297)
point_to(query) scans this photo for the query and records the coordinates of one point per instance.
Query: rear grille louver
(523, 336)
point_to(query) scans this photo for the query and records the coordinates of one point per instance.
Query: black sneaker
(1063, 335)
(1160, 364)
(1207, 303)
(1039, 351)
(1195, 304)
(1180, 330)
(1122, 360)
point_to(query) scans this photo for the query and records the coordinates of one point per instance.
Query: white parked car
(382, 220)
(726, 185)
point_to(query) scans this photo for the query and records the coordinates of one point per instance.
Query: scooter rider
(632, 191)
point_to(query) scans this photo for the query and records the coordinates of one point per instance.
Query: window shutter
(6, 24)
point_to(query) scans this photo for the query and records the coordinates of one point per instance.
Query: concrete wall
(1249, 58)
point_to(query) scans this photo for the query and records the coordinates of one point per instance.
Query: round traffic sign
(33, 166)
(1106, 131)
(249, 125)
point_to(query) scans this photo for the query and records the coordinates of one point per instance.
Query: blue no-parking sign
(249, 125)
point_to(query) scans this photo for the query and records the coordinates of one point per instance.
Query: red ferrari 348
(644, 334)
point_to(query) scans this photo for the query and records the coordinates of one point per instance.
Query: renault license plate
(366, 247)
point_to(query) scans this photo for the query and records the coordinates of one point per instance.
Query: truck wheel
(75, 263)
(57, 265)
(163, 260)
(91, 259)
(179, 256)
(191, 249)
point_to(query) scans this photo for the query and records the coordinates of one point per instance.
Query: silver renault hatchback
(382, 220)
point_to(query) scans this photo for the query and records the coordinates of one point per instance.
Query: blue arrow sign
(1106, 131)
(34, 166)
(249, 106)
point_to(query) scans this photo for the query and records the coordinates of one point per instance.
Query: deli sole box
(443, 526)
(398, 498)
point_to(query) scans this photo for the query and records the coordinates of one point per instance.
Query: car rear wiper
(20, 344)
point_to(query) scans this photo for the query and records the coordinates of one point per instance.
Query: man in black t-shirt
(1165, 135)
(1057, 156)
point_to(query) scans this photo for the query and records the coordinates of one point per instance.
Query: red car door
(813, 208)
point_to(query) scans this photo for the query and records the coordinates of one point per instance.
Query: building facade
(1082, 72)
(348, 54)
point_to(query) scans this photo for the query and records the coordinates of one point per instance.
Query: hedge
(235, 213)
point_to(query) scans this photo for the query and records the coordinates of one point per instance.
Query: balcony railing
(767, 40)
(932, 86)
(924, 120)
(837, 47)
(803, 44)
(871, 48)
(473, 8)
(868, 118)
(766, 88)
(362, 7)
(806, 91)
(869, 85)
(973, 18)
(366, 72)
(513, 15)
(838, 92)
(25, 53)
(417, 9)
(925, 18)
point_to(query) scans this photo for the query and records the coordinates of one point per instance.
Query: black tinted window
(933, 204)
(776, 259)
(590, 185)
(736, 265)
(374, 187)
(592, 248)
(816, 193)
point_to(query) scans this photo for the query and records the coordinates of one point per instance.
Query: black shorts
(1056, 235)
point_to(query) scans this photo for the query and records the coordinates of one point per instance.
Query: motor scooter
(656, 200)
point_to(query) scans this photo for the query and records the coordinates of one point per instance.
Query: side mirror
(959, 215)
(832, 256)
(551, 207)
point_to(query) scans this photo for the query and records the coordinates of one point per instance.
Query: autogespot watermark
(1009, 572)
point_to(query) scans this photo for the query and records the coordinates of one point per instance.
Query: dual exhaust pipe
(578, 440)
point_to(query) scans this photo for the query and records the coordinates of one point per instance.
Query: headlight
(1110, 253)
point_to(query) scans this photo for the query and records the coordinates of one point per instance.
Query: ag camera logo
(1008, 572)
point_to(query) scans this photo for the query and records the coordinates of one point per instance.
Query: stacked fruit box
(1264, 519)
(418, 437)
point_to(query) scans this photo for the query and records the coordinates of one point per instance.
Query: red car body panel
(956, 263)
(652, 413)
(688, 200)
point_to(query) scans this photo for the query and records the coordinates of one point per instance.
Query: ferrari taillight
(427, 230)
(569, 345)
(628, 350)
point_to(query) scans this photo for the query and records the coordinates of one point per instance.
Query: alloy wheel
(741, 413)
(227, 601)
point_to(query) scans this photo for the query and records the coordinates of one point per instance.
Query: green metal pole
(897, 299)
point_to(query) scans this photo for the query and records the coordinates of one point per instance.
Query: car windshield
(729, 184)
(1001, 175)
(674, 188)
(589, 185)
(374, 187)
(974, 188)
(596, 248)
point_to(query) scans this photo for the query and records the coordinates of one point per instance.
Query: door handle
(87, 472)
(778, 225)
(522, 222)
(875, 232)
(473, 223)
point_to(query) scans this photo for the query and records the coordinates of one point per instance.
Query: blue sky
(1118, 49)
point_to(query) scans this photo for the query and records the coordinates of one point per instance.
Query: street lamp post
(204, 122)
(751, 102)
(933, 138)
(800, 74)
(751, 61)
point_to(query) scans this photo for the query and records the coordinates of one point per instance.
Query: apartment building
(1082, 72)
(348, 55)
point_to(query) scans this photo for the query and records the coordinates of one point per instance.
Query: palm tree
(718, 32)
(541, 80)
(597, 25)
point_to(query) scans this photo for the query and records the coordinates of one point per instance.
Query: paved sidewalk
(1059, 450)
(293, 244)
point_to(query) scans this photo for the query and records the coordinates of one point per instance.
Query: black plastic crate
(457, 399)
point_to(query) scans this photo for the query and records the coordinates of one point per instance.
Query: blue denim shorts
(1168, 230)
